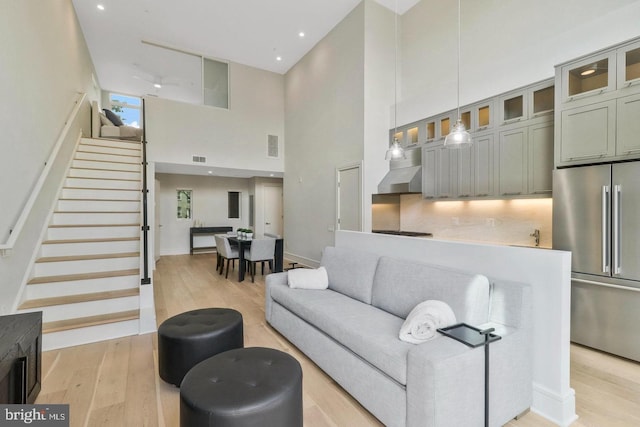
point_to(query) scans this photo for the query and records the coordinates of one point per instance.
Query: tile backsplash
(488, 221)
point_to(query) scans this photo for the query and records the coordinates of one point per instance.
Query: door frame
(339, 169)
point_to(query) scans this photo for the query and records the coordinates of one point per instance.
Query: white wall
(324, 123)
(45, 65)
(209, 207)
(548, 273)
(504, 45)
(234, 138)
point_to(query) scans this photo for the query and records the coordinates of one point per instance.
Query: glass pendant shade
(458, 137)
(395, 152)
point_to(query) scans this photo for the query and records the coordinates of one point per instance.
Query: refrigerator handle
(605, 228)
(616, 229)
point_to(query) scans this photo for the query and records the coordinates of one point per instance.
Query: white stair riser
(61, 268)
(66, 233)
(90, 194)
(111, 143)
(95, 218)
(89, 248)
(94, 173)
(102, 183)
(98, 206)
(86, 309)
(75, 287)
(88, 335)
(90, 164)
(104, 157)
(91, 148)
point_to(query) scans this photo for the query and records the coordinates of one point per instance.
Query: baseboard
(306, 262)
(560, 410)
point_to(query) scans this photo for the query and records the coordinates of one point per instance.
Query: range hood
(405, 175)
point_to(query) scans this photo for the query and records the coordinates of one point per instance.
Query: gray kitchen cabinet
(512, 162)
(540, 159)
(429, 172)
(588, 133)
(629, 65)
(483, 169)
(513, 107)
(464, 185)
(628, 126)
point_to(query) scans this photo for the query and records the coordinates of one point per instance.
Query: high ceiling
(128, 40)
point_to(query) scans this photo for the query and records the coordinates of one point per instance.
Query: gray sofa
(351, 331)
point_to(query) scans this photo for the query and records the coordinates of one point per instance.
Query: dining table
(243, 243)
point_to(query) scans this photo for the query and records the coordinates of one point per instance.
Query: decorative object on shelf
(395, 151)
(459, 137)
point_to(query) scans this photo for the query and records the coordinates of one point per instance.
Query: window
(215, 79)
(184, 204)
(128, 108)
(233, 198)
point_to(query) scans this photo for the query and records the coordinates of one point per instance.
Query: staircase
(87, 276)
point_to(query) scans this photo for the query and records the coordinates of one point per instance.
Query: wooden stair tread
(98, 188)
(83, 276)
(87, 257)
(107, 161)
(92, 225)
(84, 145)
(128, 141)
(103, 170)
(77, 298)
(96, 212)
(108, 154)
(102, 179)
(84, 322)
(105, 240)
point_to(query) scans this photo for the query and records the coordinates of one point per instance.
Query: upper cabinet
(598, 107)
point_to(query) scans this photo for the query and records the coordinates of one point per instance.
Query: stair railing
(145, 191)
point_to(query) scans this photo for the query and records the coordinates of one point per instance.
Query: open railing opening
(145, 191)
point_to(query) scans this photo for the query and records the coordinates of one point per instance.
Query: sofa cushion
(350, 272)
(370, 333)
(399, 285)
(113, 117)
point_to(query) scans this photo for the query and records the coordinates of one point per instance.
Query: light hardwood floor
(115, 383)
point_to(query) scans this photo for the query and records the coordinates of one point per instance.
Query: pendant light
(458, 137)
(395, 151)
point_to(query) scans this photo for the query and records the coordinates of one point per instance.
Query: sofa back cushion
(350, 272)
(400, 285)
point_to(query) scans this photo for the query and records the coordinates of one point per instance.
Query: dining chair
(226, 252)
(261, 250)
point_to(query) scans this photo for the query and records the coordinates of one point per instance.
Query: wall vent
(272, 146)
(199, 159)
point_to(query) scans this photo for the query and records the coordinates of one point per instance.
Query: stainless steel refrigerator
(596, 216)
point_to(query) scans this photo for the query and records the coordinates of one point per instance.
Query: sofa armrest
(274, 279)
(445, 380)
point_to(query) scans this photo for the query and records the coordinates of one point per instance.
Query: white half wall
(549, 274)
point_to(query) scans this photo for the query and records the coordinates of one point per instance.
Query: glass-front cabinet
(513, 107)
(588, 77)
(542, 100)
(484, 116)
(412, 135)
(431, 130)
(629, 65)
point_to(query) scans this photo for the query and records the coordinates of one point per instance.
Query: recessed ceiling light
(301, 34)
(278, 58)
(271, 174)
(101, 7)
(588, 72)
(157, 85)
(210, 172)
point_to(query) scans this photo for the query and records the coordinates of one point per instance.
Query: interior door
(156, 223)
(349, 199)
(273, 210)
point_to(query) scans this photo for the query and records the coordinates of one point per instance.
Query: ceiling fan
(158, 82)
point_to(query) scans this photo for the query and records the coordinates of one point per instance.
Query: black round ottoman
(246, 387)
(189, 338)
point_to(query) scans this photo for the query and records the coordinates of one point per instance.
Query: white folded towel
(421, 324)
(308, 278)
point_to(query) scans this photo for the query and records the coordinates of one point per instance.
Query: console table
(205, 231)
(20, 357)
